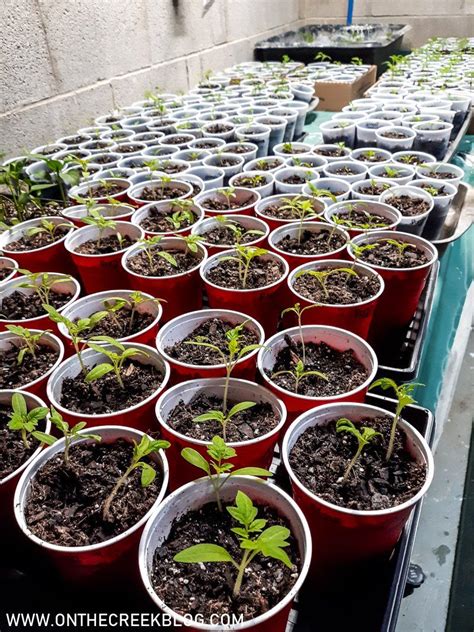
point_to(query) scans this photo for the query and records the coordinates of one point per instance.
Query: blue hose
(350, 11)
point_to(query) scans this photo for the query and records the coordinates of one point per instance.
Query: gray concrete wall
(63, 62)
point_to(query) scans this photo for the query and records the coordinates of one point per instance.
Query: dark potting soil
(98, 144)
(441, 175)
(13, 452)
(344, 171)
(278, 211)
(119, 325)
(321, 455)
(219, 203)
(206, 589)
(374, 188)
(294, 179)
(105, 246)
(239, 149)
(140, 264)
(159, 220)
(106, 190)
(218, 128)
(312, 242)
(250, 182)
(261, 272)
(363, 219)
(343, 370)
(36, 241)
(408, 206)
(294, 150)
(75, 140)
(4, 272)
(267, 165)
(390, 256)
(333, 153)
(249, 424)
(214, 331)
(227, 162)
(224, 236)
(204, 145)
(128, 149)
(19, 306)
(66, 502)
(393, 135)
(177, 140)
(341, 288)
(373, 158)
(14, 375)
(105, 159)
(432, 191)
(105, 395)
(154, 194)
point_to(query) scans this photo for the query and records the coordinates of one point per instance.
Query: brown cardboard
(334, 96)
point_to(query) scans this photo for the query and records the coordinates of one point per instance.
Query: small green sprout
(364, 437)
(237, 229)
(69, 434)
(229, 194)
(245, 256)
(399, 245)
(223, 418)
(30, 341)
(149, 246)
(323, 276)
(48, 227)
(299, 373)
(101, 223)
(42, 283)
(299, 311)
(116, 359)
(26, 421)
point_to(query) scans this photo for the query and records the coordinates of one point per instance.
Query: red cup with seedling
(228, 200)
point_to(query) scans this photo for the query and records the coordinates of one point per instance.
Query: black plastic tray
(382, 41)
(400, 357)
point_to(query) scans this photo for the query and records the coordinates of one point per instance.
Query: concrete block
(423, 8)
(26, 73)
(247, 17)
(90, 41)
(332, 9)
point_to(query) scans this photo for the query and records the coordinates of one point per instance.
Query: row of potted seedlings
(99, 378)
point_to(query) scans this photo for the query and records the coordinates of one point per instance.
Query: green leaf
(213, 415)
(203, 553)
(194, 458)
(44, 437)
(98, 371)
(252, 471)
(79, 426)
(19, 404)
(148, 474)
(239, 408)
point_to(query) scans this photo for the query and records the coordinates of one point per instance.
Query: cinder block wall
(63, 62)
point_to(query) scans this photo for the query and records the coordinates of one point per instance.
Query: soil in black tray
(159, 220)
(206, 589)
(249, 424)
(140, 264)
(321, 455)
(312, 243)
(106, 395)
(119, 324)
(35, 241)
(65, 504)
(214, 331)
(14, 375)
(105, 246)
(154, 194)
(340, 288)
(374, 188)
(279, 211)
(363, 219)
(224, 236)
(342, 369)
(13, 452)
(407, 205)
(111, 188)
(216, 204)
(19, 306)
(261, 272)
(391, 256)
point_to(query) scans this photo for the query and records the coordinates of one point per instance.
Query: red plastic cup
(52, 256)
(245, 221)
(403, 286)
(375, 208)
(136, 191)
(78, 212)
(88, 190)
(11, 265)
(275, 222)
(88, 305)
(100, 272)
(38, 386)
(247, 199)
(292, 230)
(256, 452)
(182, 292)
(193, 496)
(68, 286)
(338, 339)
(139, 416)
(9, 483)
(182, 326)
(355, 317)
(263, 303)
(346, 536)
(100, 562)
(167, 206)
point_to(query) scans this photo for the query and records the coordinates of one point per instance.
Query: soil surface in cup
(407, 205)
(440, 175)
(218, 128)
(157, 193)
(205, 145)
(344, 171)
(168, 220)
(250, 182)
(13, 452)
(32, 367)
(213, 331)
(207, 589)
(391, 255)
(411, 159)
(30, 211)
(295, 179)
(221, 203)
(4, 272)
(321, 455)
(393, 134)
(332, 153)
(39, 240)
(128, 149)
(105, 246)
(106, 190)
(120, 324)
(283, 209)
(268, 165)
(20, 306)
(434, 192)
(372, 157)
(291, 150)
(374, 188)
(342, 369)
(222, 235)
(312, 242)
(261, 272)
(337, 288)
(249, 424)
(65, 504)
(160, 266)
(106, 395)
(359, 218)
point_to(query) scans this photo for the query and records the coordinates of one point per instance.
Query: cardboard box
(334, 96)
